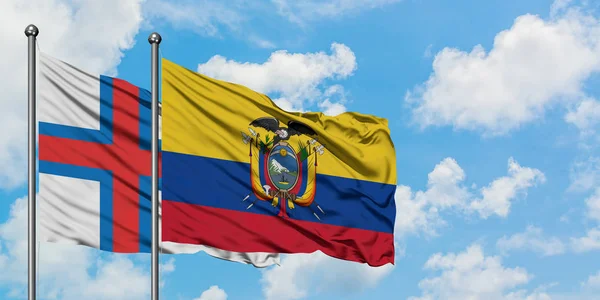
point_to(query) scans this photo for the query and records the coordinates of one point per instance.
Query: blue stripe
(145, 215)
(102, 136)
(105, 178)
(145, 131)
(145, 125)
(223, 184)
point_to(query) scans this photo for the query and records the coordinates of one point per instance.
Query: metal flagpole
(154, 40)
(31, 32)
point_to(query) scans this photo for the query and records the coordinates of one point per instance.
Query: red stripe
(91, 155)
(125, 186)
(247, 232)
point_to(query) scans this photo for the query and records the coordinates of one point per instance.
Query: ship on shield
(282, 172)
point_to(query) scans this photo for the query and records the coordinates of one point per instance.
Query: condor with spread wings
(283, 133)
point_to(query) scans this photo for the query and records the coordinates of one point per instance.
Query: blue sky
(492, 107)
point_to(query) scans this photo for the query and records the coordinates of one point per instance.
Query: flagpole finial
(154, 38)
(32, 30)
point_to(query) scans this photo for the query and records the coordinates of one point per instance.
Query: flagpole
(31, 32)
(154, 39)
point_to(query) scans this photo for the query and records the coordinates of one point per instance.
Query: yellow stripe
(203, 116)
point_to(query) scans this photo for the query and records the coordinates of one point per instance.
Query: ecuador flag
(241, 174)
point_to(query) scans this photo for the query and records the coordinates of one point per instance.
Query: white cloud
(301, 11)
(586, 177)
(298, 79)
(446, 190)
(585, 174)
(334, 102)
(590, 242)
(586, 116)
(67, 271)
(532, 66)
(118, 278)
(496, 197)
(213, 293)
(559, 6)
(427, 53)
(300, 274)
(532, 239)
(210, 17)
(164, 269)
(419, 211)
(593, 282)
(261, 42)
(77, 32)
(472, 275)
(524, 295)
(168, 266)
(213, 18)
(593, 206)
(415, 214)
(203, 17)
(331, 109)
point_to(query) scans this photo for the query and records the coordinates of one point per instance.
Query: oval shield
(283, 166)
